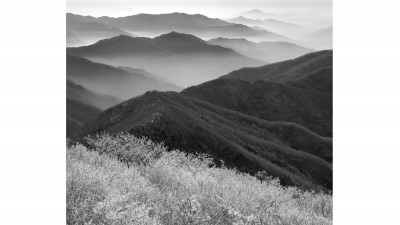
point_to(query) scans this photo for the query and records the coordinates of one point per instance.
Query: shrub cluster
(161, 187)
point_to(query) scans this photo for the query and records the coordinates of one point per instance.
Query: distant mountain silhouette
(283, 149)
(83, 30)
(109, 80)
(306, 100)
(178, 57)
(196, 24)
(273, 25)
(80, 94)
(266, 51)
(256, 14)
(286, 70)
(78, 114)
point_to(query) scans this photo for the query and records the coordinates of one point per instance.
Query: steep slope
(266, 51)
(88, 30)
(80, 94)
(286, 70)
(109, 80)
(196, 24)
(177, 57)
(306, 101)
(286, 150)
(77, 115)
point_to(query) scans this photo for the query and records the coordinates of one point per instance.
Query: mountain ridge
(266, 51)
(288, 69)
(306, 101)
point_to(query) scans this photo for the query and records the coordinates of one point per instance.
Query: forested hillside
(151, 186)
(286, 150)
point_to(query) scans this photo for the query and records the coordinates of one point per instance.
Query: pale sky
(289, 10)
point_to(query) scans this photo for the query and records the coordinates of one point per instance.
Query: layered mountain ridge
(177, 57)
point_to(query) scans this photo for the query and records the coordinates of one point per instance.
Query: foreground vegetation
(122, 179)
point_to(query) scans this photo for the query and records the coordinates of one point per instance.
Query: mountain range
(84, 30)
(282, 126)
(252, 97)
(196, 24)
(177, 57)
(266, 51)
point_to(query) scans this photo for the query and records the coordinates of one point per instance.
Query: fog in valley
(108, 80)
(171, 46)
(182, 70)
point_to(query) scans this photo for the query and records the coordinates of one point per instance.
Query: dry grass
(148, 185)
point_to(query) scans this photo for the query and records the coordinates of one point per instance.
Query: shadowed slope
(306, 101)
(78, 114)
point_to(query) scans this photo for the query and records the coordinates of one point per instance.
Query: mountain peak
(120, 37)
(176, 36)
(177, 13)
(255, 11)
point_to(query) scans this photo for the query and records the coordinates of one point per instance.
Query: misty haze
(189, 112)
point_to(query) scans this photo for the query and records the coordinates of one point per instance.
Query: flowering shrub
(126, 148)
(129, 180)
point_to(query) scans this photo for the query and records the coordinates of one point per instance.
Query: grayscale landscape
(188, 112)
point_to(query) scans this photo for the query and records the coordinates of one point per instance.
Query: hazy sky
(307, 11)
